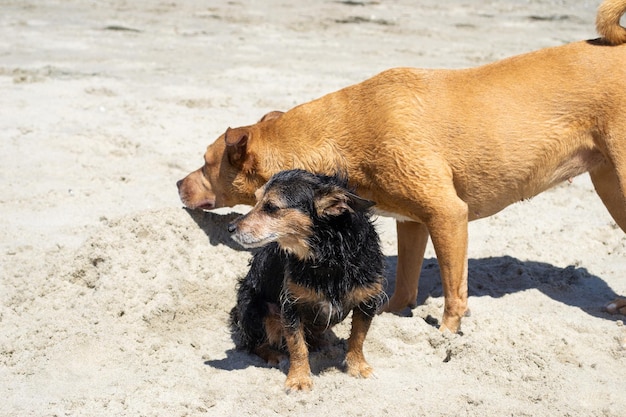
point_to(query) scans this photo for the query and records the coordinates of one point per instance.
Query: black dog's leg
(255, 321)
(299, 375)
(356, 364)
(256, 327)
(246, 318)
(272, 350)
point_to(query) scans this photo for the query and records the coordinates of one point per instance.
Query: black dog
(320, 259)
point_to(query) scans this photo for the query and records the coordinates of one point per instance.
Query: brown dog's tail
(607, 22)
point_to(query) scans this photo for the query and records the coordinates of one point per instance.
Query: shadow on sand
(502, 275)
(488, 277)
(491, 277)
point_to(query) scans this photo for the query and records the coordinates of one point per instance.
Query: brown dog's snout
(194, 194)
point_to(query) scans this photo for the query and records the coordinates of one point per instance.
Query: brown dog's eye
(270, 207)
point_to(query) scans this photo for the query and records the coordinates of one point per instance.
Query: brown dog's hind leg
(606, 181)
(356, 364)
(613, 194)
(412, 240)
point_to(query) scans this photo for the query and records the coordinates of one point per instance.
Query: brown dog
(438, 148)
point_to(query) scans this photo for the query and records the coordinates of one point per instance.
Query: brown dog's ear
(271, 116)
(237, 136)
(339, 202)
(236, 148)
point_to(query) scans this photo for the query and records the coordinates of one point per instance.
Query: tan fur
(356, 364)
(299, 375)
(332, 204)
(305, 295)
(438, 148)
(274, 329)
(269, 354)
(364, 294)
(607, 22)
(291, 229)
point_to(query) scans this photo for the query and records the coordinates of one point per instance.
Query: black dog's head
(289, 207)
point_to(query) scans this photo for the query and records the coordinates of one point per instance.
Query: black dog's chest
(324, 293)
(323, 313)
(321, 306)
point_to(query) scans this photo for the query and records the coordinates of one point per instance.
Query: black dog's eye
(270, 207)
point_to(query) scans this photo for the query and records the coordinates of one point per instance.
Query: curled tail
(607, 22)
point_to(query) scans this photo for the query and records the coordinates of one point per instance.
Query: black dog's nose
(178, 183)
(232, 227)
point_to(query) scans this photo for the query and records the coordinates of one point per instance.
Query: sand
(114, 299)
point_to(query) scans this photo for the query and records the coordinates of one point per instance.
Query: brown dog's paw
(617, 306)
(298, 383)
(397, 304)
(358, 366)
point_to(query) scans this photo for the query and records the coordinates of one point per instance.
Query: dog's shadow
(488, 277)
(215, 226)
(492, 277)
(498, 276)
(330, 356)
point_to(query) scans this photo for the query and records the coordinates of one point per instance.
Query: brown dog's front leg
(299, 376)
(448, 230)
(412, 240)
(356, 364)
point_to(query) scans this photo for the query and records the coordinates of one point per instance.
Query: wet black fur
(346, 256)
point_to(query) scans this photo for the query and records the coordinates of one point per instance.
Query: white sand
(114, 300)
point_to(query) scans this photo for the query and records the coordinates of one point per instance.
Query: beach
(114, 299)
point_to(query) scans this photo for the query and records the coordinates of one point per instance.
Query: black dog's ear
(340, 201)
(358, 203)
